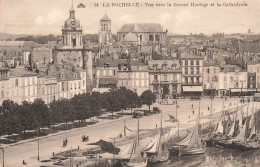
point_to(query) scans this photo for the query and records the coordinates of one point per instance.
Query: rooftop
(21, 72)
(141, 27)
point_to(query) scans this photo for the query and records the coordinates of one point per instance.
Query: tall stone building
(105, 34)
(71, 52)
(145, 33)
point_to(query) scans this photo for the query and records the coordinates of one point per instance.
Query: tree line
(17, 118)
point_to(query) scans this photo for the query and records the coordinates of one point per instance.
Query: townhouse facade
(134, 76)
(210, 79)
(192, 74)
(165, 78)
(233, 81)
(18, 84)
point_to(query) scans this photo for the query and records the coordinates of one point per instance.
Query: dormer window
(106, 65)
(75, 75)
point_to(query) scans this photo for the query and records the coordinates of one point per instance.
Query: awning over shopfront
(192, 89)
(252, 90)
(107, 81)
(236, 90)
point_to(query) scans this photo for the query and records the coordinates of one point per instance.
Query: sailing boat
(157, 151)
(193, 143)
(133, 153)
(251, 142)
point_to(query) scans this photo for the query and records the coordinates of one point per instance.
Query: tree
(27, 117)
(133, 99)
(148, 98)
(122, 98)
(43, 115)
(95, 103)
(81, 106)
(11, 123)
(112, 104)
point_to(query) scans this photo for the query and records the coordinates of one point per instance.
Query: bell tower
(105, 34)
(72, 31)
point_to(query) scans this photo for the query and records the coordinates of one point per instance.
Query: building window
(155, 77)
(186, 70)
(174, 88)
(192, 70)
(207, 70)
(186, 80)
(174, 78)
(114, 72)
(197, 62)
(141, 38)
(197, 70)
(165, 77)
(157, 37)
(192, 80)
(198, 79)
(16, 82)
(191, 62)
(225, 78)
(150, 37)
(186, 62)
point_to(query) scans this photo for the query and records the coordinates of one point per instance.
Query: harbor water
(216, 157)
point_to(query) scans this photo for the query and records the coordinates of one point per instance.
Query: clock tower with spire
(72, 31)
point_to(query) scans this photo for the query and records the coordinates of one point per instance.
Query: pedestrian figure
(156, 125)
(193, 112)
(192, 106)
(189, 116)
(208, 108)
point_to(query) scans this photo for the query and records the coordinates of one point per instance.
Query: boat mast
(210, 113)
(177, 117)
(138, 132)
(199, 117)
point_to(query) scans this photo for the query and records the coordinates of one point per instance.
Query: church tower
(105, 34)
(72, 31)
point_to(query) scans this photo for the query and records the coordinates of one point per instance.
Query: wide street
(106, 129)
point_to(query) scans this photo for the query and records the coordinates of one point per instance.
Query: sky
(41, 17)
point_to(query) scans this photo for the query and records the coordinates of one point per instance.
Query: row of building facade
(20, 84)
(189, 75)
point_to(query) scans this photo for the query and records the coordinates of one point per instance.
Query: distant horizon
(43, 17)
(116, 34)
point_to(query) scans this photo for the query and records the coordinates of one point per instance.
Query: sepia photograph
(130, 83)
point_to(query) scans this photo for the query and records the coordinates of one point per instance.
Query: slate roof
(105, 18)
(24, 44)
(20, 72)
(141, 27)
(105, 60)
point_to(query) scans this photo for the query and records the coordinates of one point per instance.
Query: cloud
(39, 20)
(55, 17)
(128, 18)
(165, 18)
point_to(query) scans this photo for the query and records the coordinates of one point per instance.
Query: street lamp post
(3, 152)
(38, 149)
(177, 117)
